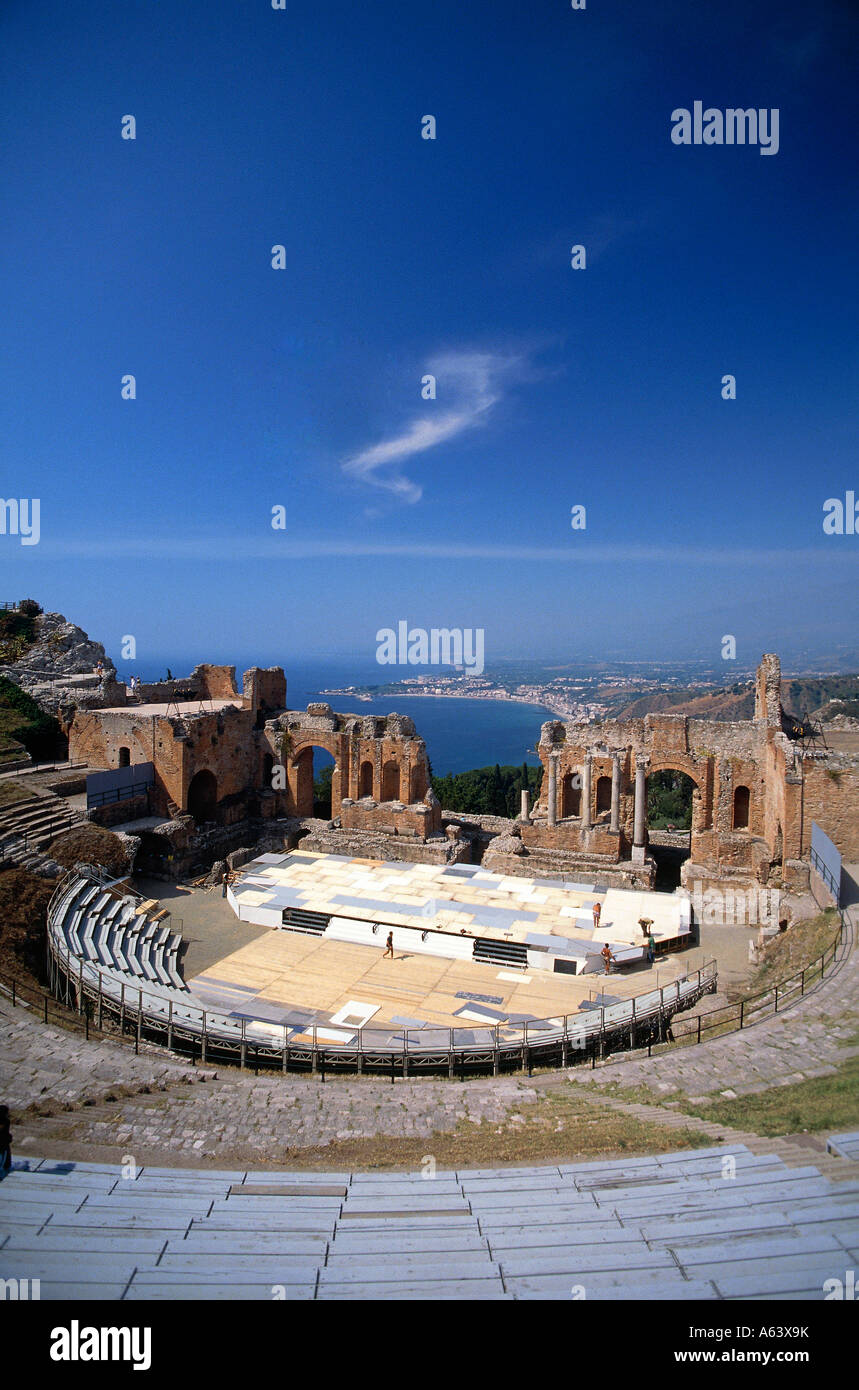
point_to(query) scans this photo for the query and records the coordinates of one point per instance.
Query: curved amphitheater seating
(107, 931)
(668, 1227)
(97, 932)
(106, 935)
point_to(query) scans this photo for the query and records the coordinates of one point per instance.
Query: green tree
(322, 791)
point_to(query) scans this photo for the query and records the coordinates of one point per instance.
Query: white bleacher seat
(664, 1227)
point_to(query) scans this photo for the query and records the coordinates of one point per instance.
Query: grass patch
(791, 952)
(22, 722)
(555, 1129)
(824, 1102)
(11, 791)
(635, 1095)
(23, 914)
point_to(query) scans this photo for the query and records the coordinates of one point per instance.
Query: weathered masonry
(226, 761)
(222, 757)
(755, 794)
(381, 775)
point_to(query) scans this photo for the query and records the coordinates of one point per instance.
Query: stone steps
(794, 1153)
(28, 827)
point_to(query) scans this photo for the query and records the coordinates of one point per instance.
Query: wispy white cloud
(470, 384)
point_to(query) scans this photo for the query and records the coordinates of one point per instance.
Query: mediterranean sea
(459, 733)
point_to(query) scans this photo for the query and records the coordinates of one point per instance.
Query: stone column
(615, 792)
(553, 789)
(525, 813)
(586, 792)
(640, 816)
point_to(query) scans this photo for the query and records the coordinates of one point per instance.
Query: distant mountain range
(822, 696)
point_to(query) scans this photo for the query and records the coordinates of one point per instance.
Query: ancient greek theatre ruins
(229, 772)
(495, 926)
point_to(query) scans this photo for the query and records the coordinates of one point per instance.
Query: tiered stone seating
(682, 1225)
(119, 946)
(27, 828)
(845, 1145)
(115, 941)
(105, 929)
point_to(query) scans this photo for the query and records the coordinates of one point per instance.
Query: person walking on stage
(389, 946)
(607, 957)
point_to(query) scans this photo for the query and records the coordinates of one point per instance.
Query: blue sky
(556, 387)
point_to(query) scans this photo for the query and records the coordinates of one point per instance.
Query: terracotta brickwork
(753, 802)
(380, 768)
(831, 797)
(254, 758)
(755, 793)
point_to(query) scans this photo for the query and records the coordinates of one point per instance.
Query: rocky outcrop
(59, 671)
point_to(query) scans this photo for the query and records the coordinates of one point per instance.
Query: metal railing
(98, 1001)
(160, 1015)
(826, 874)
(755, 1008)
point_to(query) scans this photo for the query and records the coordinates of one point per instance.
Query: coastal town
(585, 699)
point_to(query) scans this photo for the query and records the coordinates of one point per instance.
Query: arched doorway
(603, 795)
(571, 795)
(365, 780)
(203, 796)
(315, 771)
(742, 803)
(669, 824)
(125, 757)
(390, 781)
(323, 773)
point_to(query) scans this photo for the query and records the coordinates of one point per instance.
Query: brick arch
(695, 768)
(702, 771)
(392, 774)
(300, 772)
(203, 796)
(315, 738)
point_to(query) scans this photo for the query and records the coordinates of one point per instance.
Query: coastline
(452, 695)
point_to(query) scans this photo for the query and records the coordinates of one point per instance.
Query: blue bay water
(459, 733)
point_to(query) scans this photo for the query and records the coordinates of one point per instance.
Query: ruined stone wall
(264, 691)
(162, 692)
(381, 791)
(598, 840)
(415, 822)
(96, 736)
(117, 812)
(719, 756)
(221, 743)
(381, 753)
(768, 691)
(179, 746)
(375, 845)
(831, 798)
(216, 682)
